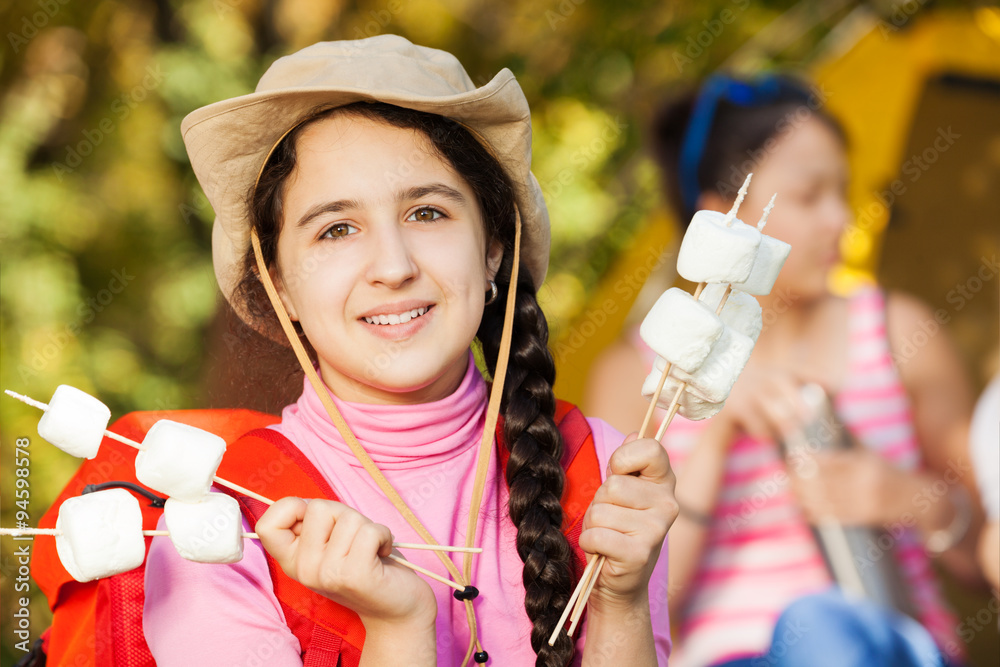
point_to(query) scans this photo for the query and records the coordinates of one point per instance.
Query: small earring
(493, 293)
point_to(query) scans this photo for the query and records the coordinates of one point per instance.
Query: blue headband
(764, 90)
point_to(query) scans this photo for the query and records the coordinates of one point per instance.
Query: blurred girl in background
(748, 583)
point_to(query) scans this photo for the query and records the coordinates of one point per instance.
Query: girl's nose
(392, 263)
(837, 214)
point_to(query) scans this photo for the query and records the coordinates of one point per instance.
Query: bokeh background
(106, 280)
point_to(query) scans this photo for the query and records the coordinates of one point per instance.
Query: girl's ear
(494, 257)
(712, 201)
(279, 286)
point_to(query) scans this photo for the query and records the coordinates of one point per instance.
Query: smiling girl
(377, 210)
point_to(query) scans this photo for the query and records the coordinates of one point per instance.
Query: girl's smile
(382, 259)
(398, 321)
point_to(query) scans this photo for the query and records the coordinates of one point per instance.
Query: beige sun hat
(229, 141)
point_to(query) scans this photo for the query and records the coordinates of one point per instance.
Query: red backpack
(100, 622)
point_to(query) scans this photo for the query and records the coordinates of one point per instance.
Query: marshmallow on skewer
(680, 329)
(741, 312)
(771, 256)
(692, 406)
(719, 248)
(100, 534)
(712, 252)
(210, 531)
(74, 421)
(179, 460)
(714, 379)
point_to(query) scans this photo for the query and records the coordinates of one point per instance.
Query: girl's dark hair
(739, 138)
(534, 474)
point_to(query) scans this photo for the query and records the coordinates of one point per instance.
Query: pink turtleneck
(228, 614)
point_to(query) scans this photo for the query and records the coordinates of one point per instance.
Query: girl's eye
(338, 230)
(425, 214)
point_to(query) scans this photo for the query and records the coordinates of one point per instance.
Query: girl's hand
(335, 551)
(854, 487)
(764, 403)
(628, 521)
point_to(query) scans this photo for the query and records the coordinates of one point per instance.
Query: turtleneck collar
(398, 436)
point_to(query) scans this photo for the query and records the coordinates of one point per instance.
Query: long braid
(534, 473)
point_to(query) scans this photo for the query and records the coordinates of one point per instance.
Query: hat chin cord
(485, 446)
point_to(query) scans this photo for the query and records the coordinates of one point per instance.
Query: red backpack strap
(583, 472)
(100, 622)
(329, 634)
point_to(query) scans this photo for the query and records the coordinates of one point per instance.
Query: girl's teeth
(402, 318)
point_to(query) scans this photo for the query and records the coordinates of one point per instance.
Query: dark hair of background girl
(534, 474)
(739, 137)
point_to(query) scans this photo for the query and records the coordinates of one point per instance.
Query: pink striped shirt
(760, 554)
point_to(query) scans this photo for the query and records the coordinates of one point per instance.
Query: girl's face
(807, 167)
(382, 258)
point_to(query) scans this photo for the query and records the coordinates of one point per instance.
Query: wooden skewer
(582, 602)
(18, 532)
(581, 599)
(427, 573)
(739, 200)
(572, 599)
(132, 443)
(588, 580)
(221, 482)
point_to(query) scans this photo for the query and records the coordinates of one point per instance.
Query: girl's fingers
(317, 524)
(623, 519)
(644, 458)
(617, 546)
(627, 491)
(349, 522)
(275, 527)
(372, 538)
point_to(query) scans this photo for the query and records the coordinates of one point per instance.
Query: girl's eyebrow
(416, 192)
(421, 191)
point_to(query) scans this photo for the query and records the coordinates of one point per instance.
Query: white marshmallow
(680, 329)
(101, 534)
(209, 531)
(741, 312)
(75, 422)
(714, 379)
(711, 252)
(691, 406)
(179, 460)
(771, 256)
